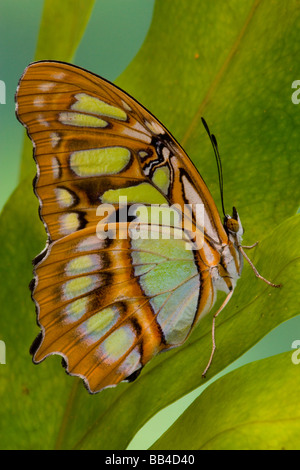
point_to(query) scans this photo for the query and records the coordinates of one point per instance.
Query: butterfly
(109, 296)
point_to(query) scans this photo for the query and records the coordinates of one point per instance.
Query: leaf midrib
(219, 75)
(247, 423)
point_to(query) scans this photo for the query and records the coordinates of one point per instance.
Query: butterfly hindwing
(109, 306)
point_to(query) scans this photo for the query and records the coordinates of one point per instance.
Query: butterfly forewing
(109, 305)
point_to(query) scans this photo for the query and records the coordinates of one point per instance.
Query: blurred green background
(122, 35)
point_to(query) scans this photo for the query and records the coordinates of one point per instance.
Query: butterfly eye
(232, 225)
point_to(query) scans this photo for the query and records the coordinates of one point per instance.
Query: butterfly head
(234, 230)
(233, 226)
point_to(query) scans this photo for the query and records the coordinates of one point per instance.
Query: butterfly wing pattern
(108, 304)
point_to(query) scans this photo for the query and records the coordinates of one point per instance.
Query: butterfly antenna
(218, 159)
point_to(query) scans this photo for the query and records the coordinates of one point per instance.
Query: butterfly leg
(255, 270)
(250, 246)
(228, 297)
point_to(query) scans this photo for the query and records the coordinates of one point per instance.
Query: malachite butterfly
(108, 304)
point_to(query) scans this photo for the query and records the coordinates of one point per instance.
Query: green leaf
(61, 30)
(241, 83)
(252, 408)
(62, 27)
(110, 419)
(171, 375)
(27, 399)
(185, 69)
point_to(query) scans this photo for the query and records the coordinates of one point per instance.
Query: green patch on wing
(141, 193)
(168, 275)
